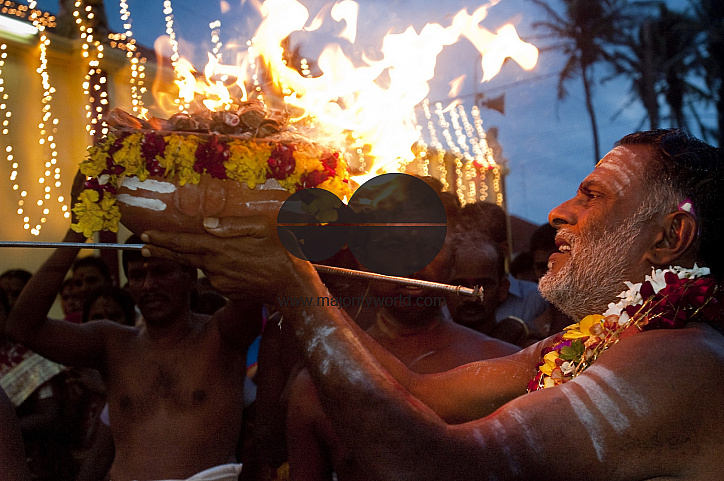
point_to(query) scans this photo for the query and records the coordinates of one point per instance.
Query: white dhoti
(224, 472)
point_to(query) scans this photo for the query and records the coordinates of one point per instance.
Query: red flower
(210, 158)
(673, 306)
(112, 168)
(281, 162)
(95, 185)
(151, 146)
(118, 143)
(533, 383)
(713, 312)
(313, 179)
(701, 290)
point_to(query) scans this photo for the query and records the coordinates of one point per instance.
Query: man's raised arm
(58, 340)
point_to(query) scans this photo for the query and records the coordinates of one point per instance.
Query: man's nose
(563, 214)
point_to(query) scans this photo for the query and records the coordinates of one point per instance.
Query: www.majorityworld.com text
(361, 301)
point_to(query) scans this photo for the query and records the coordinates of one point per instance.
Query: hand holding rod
(476, 292)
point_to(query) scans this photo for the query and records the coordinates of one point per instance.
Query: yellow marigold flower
(179, 158)
(338, 187)
(95, 216)
(96, 160)
(248, 162)
(111, 213)
(307, 159)
(291, 182)
(129, 156)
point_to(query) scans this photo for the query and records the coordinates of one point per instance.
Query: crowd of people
(551, 375)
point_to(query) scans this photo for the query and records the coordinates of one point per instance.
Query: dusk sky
(547, 143)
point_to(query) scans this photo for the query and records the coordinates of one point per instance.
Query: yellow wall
(66, 69)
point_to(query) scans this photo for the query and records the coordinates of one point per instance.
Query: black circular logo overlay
(394, 224)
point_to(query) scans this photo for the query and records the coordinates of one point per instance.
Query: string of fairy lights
(436, 145)
(93, 51)
(94, 88)
(215, 27)
(47, 128)
(175, 56)
(467, 143)
(138, 73)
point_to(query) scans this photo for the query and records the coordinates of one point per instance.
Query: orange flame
(375, 101)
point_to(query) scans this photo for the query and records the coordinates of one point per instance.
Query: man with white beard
(631, 390)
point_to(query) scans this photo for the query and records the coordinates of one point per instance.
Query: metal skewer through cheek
(476, 292)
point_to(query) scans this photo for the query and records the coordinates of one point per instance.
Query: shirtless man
(175, 386)
(651, 406)
(419, 335)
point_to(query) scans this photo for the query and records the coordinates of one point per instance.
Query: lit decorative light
(215, 27)
(83, 16)
(445, 126)
(47, 127)
(6, 115)
(472, 155)
(496, 186)
(435, 143)
(137, 65)
(489, 161)
(476, 160)
(168, 11)
(421, 155)
(463, 150)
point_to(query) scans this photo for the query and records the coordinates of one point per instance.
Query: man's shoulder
(696, 351)
(488, 347)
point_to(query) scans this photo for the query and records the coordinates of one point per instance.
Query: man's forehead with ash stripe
(623, 165)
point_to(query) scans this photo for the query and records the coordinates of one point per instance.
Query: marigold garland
(667, 299)
(187, 157)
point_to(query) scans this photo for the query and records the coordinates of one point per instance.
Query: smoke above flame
(366, 105)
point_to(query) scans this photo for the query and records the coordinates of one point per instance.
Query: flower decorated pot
(159, 180)
(162, 204)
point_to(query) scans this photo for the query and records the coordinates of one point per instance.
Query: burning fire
(367, 107)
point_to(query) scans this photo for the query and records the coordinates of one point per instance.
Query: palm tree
(638, 60)
(583, 32)
(676, 34)
(710, 17)
(663, 61)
